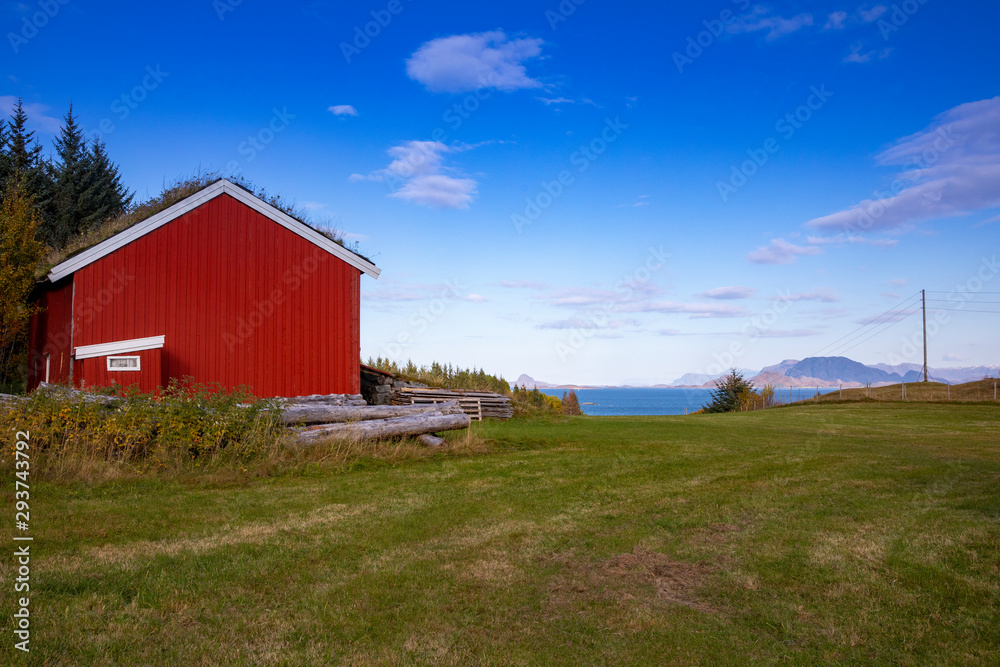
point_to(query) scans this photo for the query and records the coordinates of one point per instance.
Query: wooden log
(395, 427)
(316, 413)
(327, 399)
(430, 440)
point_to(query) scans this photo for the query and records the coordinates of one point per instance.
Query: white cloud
(776, 26)
(695, 310)
(780, 251)
(873, 14)
(841, 239)
(835, 21)
(417, 174)
(463, 63)
(897, 282)
(824, 295)
(581, 323)
(951, 356)
(342, 110)
(474, 298)
(548, 101)
(951, 168)
(37, 118)
(521, 284)
(855, 56)
(731, 292)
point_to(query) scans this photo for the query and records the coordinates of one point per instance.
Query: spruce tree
(71, 172)
(23, 160)
(104, 195)
(731, 393)
(5, 165)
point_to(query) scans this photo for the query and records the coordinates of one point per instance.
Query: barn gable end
(238, 295)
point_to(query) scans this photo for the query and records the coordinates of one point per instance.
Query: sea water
(671, 401)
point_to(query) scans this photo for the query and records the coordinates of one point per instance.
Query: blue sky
(586, 192)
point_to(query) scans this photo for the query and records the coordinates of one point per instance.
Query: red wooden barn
(221, 287)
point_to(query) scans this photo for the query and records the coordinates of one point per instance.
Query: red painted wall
(94, 371)
(49, 334)
(240, 299)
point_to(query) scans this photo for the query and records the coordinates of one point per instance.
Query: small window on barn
(123, 363)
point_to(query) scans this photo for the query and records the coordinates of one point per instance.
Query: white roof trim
(119, 347)
(108, 246)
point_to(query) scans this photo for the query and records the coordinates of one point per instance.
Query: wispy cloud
(780, 251)
(549, 101)
(38, 119)
(731, 292)
(873, 14)
(856, 55)
(581, 323)
(521, 284)
(342, 110)
(463, 63)
(417, 174)
(694, 310)
(897, 282)
(835, 21)
(851, 239)
(759, 19)
(824, 295)
(951, 168)
(402, 292)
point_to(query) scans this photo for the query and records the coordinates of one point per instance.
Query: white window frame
(138, 364)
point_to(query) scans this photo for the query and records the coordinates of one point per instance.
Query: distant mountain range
(815, 372)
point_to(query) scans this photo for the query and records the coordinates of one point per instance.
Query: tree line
(45, 201)
(75, 189)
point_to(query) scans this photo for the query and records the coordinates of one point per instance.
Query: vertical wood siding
(94, 371)
(240, 299)
(49, 333)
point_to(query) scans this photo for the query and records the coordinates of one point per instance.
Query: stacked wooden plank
(478, 405)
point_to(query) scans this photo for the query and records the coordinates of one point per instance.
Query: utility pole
(923, 301)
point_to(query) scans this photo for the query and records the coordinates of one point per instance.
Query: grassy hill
(982, 390)
(852, 532)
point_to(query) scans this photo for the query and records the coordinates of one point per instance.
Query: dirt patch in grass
(639, 577)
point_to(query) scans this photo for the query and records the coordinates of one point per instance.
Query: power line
(878, 332)
(874, 319)
(966, 301)
(934, 291)
(964, 310)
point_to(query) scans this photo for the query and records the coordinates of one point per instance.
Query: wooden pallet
(478, 405)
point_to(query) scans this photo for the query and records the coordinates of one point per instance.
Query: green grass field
(821, 533)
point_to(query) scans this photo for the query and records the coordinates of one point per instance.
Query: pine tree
(104, 195)
(571, 404)
(5, 163)
(71, 182)
(732, 393)
(23, 160)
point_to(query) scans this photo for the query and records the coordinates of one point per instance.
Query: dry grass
(980, 390)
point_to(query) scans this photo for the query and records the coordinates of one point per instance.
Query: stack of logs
(478, 405)
(348, 417)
